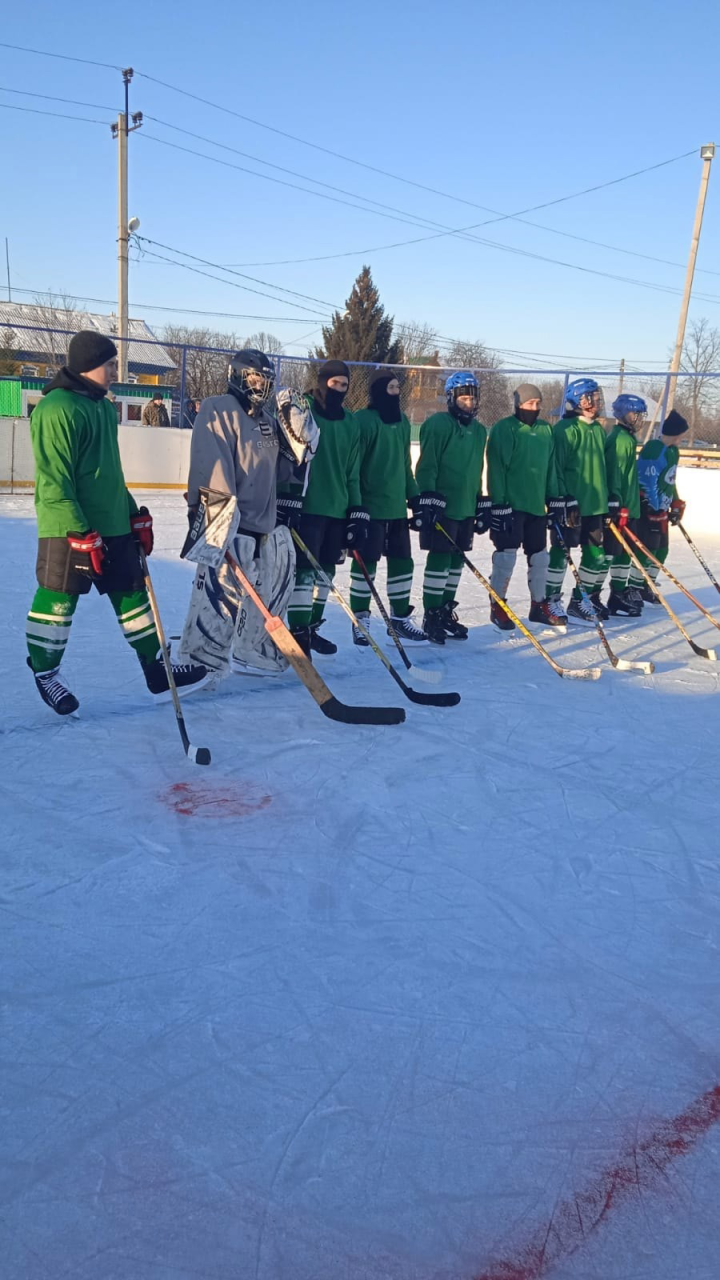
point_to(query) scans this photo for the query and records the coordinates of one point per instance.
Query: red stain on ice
(639, 1170)
(197, 801)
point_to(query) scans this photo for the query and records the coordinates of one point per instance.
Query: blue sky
(505, 107)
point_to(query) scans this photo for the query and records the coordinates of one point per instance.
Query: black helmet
(250, 360)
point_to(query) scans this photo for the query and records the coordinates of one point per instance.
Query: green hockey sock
(399, 585)
(133, 612)
(301, 600)
(593, 570)
(453, 579)
(47, 629)
(320, 595)
(360, 594)
(437, 568)
(557, 564)
(619, 572)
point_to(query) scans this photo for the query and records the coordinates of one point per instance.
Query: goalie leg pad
(253, 652)
(215, 604)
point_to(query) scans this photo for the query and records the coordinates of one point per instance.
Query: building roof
(149, 352)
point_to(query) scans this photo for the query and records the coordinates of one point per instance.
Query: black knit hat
(332, 369)
(88, 350)
(674, 425)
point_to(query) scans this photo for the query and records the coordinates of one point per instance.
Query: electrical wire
(60, 115)
(65, 57)
(189, 311)
(185, 266)
(49, 97)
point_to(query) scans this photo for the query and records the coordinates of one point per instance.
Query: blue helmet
(463, 378)
(579, 388)
(626, 404)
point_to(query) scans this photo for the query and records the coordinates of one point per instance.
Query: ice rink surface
(432, 1002)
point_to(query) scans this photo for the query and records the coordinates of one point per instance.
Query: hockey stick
(199, 755)
(305, 671)
(710, 654)
(424, 699)
(676, 581)
(569, 673)
(700, 557)
(620, 664)
(427, 676)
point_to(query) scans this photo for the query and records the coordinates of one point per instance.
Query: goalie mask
(251, 378)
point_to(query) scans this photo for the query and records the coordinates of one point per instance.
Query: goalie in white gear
(243, 444)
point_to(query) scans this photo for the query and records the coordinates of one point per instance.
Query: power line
(60, 115)
(223, 280)
(49, 97)
(65, 57)
(188, 311)
(218, 267)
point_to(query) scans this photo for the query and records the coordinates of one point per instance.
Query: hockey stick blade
(622, 664)
(306, 672)
(425, 699)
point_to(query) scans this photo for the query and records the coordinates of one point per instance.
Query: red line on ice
(639, 1169)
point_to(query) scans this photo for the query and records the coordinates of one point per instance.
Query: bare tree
(8, 361)
(52, 311)
(419, 341)
(701, 356)
(207, 357)
(266, 342)
(494, 401)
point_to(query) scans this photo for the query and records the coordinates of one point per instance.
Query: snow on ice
(352, 1003)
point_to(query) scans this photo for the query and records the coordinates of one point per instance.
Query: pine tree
(364, 332)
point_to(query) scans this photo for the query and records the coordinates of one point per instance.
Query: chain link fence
(30, 355)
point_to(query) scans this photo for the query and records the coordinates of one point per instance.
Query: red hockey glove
(677, 511)
(141, 526)
(89, 544)
(623, 517)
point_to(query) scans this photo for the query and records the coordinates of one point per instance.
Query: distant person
(155, 414)
(192, 409)
(659, 502)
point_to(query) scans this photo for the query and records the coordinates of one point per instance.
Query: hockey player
(333, 516)
(625, 599)
(387, 488)
(520, 478)
(449, 475)
(659, 501)
(239, 451)
(89, 525)
(581, 502)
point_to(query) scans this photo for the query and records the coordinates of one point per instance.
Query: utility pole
(7, 261)
(621, 383)
(706, 154)
(121, 130)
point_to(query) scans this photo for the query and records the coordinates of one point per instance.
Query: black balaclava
(388, 407)
(328, 400)
(527, 391)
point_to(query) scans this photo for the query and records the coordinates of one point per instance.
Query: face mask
(330, 402)
(528, 416)
(386, 405)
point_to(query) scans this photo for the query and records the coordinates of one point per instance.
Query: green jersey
(451, 462)
(386, 476)
(79, 482)
(521, 468)
(580, 464)
(334, 483)
(621, 467)
(657, 469)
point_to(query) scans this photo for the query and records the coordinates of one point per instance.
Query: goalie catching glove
(299, 433)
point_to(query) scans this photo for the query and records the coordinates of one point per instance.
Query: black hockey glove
(288, 511)
(556, 512)
(483, 510)
(572, 512)
(501, 522)
(613, 511)
(428, 508)
(677, 511)
(358, 525)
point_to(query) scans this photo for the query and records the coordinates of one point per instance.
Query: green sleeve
(561, 432)
(499, 455)
(432, 444)
(613, 470)
(676, 460)
(552, 488)
(484, 437)
(353, 466)
(132, 504)
(55, 446)
(411, 486)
